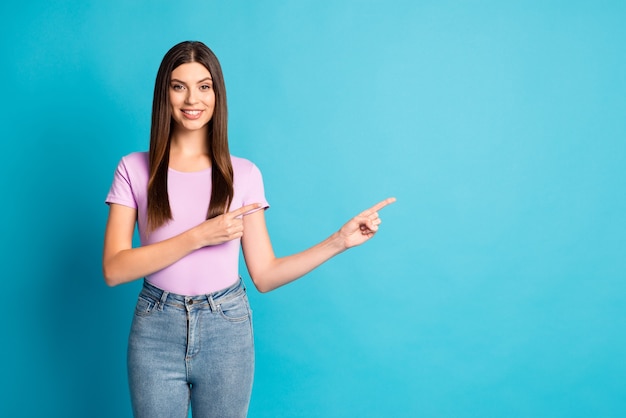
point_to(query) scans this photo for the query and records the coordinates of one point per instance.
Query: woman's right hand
(223, 228)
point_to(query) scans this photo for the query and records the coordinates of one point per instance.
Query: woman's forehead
(191, 71)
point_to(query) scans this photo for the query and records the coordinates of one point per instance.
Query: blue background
(496, 286)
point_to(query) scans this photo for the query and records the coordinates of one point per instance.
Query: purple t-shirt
(205, 270)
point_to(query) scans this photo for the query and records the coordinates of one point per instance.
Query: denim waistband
(212, 300)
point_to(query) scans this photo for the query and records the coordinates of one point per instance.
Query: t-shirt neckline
(204, 170)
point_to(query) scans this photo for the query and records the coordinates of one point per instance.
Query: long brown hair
(159, 211)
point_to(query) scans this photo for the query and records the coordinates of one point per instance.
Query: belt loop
(209, 299)
(163, 299)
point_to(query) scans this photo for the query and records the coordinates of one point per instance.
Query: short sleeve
(255, 190)
(121, 191)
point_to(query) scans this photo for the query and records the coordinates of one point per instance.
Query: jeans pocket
(144, 306)
(235, 310)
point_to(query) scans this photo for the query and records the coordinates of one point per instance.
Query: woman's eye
(177, 87)
(205, 87)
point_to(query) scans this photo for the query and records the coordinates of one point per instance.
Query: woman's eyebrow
(175, 80)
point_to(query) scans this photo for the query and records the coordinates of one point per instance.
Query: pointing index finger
(378, 206)
(242, 211)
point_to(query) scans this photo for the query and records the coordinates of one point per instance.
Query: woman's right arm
(121, 263)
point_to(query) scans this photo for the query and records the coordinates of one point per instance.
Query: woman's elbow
(261, 287)
(110, 277)
(261, 284)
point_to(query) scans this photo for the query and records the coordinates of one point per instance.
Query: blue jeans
(191, 349)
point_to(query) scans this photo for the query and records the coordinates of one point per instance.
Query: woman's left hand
(363, 226)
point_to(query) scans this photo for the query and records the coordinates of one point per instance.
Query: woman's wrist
(337, 242)
(192, 239)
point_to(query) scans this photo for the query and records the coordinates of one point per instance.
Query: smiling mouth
(191, 114)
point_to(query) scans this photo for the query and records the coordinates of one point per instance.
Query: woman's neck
(189, 151)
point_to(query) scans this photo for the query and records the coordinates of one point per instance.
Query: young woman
(194, 205)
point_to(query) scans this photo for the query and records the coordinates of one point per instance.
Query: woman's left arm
(269, 272)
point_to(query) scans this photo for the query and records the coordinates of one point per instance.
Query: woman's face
(192, 98)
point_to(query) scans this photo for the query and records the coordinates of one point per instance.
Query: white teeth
(192, 112)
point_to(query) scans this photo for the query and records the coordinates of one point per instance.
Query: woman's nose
(191, 96)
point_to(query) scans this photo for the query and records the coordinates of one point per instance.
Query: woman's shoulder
(135, 165)
(136, 159)
(242, 164)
